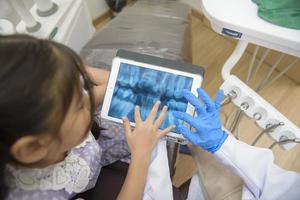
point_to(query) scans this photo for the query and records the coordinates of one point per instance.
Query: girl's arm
(100, 78)
(133, 187)
(141, 141)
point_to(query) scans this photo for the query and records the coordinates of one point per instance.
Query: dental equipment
(6, 27)
(45, 7)
(30, 24)
(228, 98)
(261, 33)
(269, 128)
(284, 139)
(65, 21)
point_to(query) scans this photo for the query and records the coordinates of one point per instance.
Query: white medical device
(238, 19)
(65, 21)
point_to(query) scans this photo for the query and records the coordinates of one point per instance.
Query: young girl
(47, 103)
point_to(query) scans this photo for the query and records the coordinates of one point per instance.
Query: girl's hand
(144, 137)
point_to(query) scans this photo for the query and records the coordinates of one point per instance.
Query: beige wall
(195, 4)
(97, 7)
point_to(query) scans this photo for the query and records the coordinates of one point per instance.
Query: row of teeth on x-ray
(152, 81)
(124, 107)
(132, 90)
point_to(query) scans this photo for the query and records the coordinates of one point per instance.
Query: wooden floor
(211, 51)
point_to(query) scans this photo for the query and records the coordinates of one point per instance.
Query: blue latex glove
(209, 134)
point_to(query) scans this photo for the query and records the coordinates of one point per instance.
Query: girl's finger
(166, 131)
(153, 112)
(161, 118)
(137, 115)
(127, 127)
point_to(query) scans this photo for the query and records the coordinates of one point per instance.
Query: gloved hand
(209, 134)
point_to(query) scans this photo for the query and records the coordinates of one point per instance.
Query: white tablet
(138, 79)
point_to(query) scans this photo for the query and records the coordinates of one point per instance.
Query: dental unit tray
(264, 114)
(138, 79)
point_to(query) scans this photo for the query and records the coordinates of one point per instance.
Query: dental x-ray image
(143, 87)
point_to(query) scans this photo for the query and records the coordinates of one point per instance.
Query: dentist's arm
(263, 179)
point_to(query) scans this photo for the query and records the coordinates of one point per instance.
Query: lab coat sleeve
(262, 178)
(158, 185)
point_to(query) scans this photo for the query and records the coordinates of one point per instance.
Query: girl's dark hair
(38, 80)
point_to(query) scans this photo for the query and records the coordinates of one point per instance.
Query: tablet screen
(141, 86)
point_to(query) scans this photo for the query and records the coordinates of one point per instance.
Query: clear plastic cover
(155, 28)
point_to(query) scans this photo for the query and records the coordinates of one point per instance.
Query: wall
(195, 4)
(97, 7)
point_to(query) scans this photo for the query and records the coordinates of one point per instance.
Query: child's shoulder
(75, 174)
(89, 149)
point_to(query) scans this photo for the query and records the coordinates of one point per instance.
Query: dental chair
(158, 28)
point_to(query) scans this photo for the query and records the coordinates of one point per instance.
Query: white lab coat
(262, 178)
(158, 185)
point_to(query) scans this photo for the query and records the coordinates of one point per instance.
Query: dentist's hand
(209, 134)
